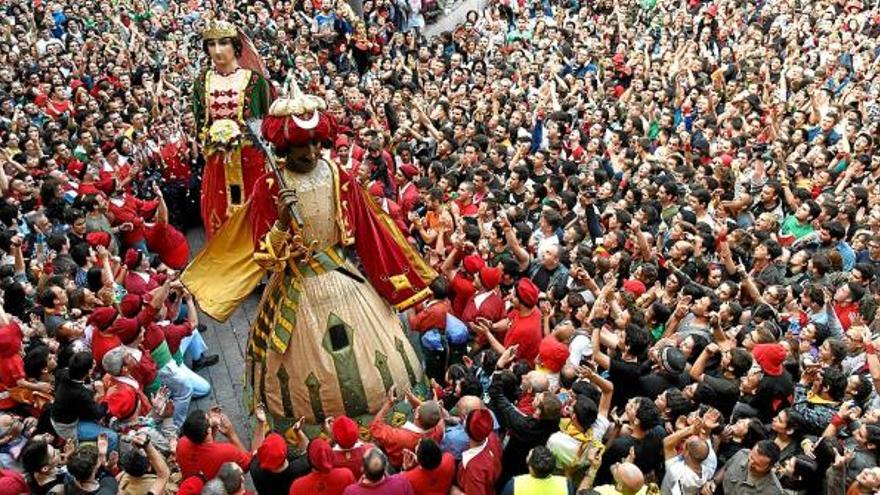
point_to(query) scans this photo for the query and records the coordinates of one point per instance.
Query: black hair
(770, 450)
(429, 454)
(637, 340)
(196, 426)
(35, 455)
(81, 463)
(585, 411)
(36, 360)
(833, 379)
(134, 462)
(439, 287)
(80, 365)
(542, 462)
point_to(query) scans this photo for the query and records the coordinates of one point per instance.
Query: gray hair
(214, 487)
(230, 474)
(114, 361)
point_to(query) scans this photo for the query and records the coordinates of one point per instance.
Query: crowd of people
(657, 224)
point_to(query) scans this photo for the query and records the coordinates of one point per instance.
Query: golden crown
(216, 30)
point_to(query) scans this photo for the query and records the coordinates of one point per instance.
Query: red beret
(101, 318)
(122, 402)
(284, 132)
(490, 276)
(96, 239)
(527, 292)
(345, 432)
(479, 424)
(409, 170)
(170, 244)
(191, 486)
(634, 287)
(472, 263)
(127, 329)
(377, 189)
(342, 141)
(553, 353)
(132, 258)
(272, 452)
(320, 455)
(130, 305)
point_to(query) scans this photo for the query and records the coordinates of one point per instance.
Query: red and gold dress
(323, 343)
(222, 104)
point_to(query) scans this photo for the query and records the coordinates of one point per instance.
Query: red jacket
(480, 468)
(206, 458)
(394, 440)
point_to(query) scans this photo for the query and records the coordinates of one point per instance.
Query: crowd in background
(657, 223)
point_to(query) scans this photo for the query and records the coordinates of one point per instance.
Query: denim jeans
(86, 431)
(194, 346)
(200, 386)
(172, 376)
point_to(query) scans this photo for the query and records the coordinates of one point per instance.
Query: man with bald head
(628, 480)
(426, 423)
(687, 472)
(455, 438)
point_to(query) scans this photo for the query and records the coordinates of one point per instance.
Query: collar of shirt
(472, 452)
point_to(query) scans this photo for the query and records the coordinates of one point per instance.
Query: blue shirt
(848, 255)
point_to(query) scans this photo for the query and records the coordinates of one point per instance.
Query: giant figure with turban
(226, 95)
(327, 339)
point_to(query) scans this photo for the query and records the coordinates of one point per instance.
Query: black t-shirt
(624, 375)
(267, 482)
(726, 393)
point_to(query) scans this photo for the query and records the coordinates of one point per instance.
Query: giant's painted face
(221, 51)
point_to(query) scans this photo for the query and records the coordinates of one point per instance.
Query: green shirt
(791, 226)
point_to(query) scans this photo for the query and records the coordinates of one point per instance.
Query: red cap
(130, 305)
(479, 424)
(527, 292)
(377, 189)
(122, 402)
(169, 243)
(284, 132)
(472, 263)
(191, 486)
(770, 358)
(132, 258)
(409, 170)
(634, 287)
(272, 452)
(490, 276)
(127, 329)
(96, 239)
(320, 455)
(712, 10)
(345, 432)
(101, 318)
(342, 141)
(553, 353)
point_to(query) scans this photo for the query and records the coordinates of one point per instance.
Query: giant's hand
(286, 199)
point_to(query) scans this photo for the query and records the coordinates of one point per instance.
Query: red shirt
(433, 316)
(463, 291)
(845, 314)
(394, 440)
(351, 459)
(477, 474)
(526, 332)
(330, 483)
(206, 458)
(11, 363)
(434, 482)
